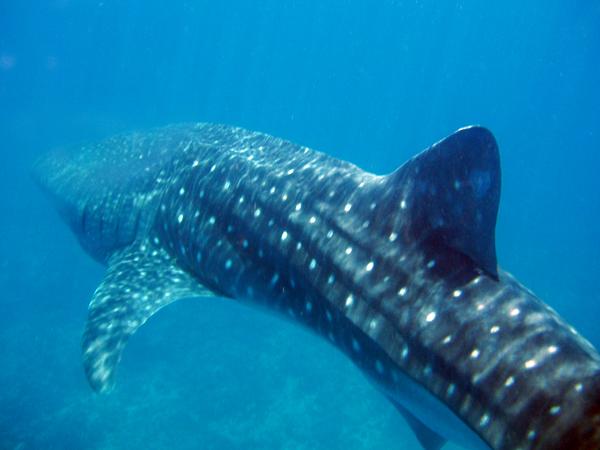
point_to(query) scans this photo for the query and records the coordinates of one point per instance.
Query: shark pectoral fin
(140, 280)
(428, 438)
(452, 193)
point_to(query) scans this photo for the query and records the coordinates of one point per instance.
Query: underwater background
(372, 82)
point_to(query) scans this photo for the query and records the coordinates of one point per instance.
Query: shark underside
(399, 272)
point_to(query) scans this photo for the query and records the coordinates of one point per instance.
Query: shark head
(399, 272)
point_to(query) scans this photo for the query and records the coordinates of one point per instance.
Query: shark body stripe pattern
(399, 272)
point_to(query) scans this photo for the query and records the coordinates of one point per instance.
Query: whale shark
(398, 271)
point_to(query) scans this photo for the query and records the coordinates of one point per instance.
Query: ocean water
(370, 82)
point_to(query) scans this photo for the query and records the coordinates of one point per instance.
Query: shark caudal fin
(451, 193)
(140, 280)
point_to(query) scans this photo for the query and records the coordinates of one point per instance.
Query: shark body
(399, 272)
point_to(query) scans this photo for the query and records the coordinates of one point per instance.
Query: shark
(398, 271)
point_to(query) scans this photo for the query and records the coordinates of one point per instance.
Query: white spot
(393, 236)
(457, 293)
(348, 250)
(313, 219)
(485, 419)
(284, 197)
(552, 349)
(257, 212)
(404, 353)
(402, 292)
(330, 234)
(514, 312)
(298, 245)
(494, 329)
(211, 220)
(373, 206)
(530, 363)
(373, 324)
(369, 266)
(531, 435)
(298, 206)
(447, 339)
(228, 264)
(181, 191)
(403, 204)
(272, 190)
(331, 279)
(313, 264)
(180, 218)
(475, 353)
(226, 185)
(291, 171)
(214, 166)
(509, 381)
(480, 307)
(241, 199)
(431, 264)
(284, 235)
(347, 207)
(450, 391)
(355, 345)
(349, 301)
(555, 410)
(430, 317)
(195, 163)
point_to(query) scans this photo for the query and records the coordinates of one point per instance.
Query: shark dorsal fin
(451, 192)
(141, 279)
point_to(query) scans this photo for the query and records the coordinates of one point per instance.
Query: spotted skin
(399, 272)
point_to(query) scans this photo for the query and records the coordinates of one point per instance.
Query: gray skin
(399, 272)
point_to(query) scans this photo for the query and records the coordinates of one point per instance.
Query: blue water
(371, 82)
